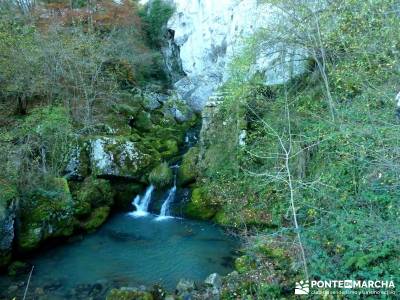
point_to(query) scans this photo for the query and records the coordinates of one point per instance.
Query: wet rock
(185, 287)
(214, 280)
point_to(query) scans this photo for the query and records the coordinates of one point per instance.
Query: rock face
(47, 214)
(117, 157)
(211, 33)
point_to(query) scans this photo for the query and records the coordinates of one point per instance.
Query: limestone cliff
(211, 33)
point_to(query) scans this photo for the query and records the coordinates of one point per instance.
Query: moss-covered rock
(8, 199)
(169, 149)
(94, 193)
(187, 172)
(199, 206)
(121, 157)
(161, 176)
(46, 213)
(96, 218)
(129, 294)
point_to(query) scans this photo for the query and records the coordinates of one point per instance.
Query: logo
(345, 287)
(302, 288)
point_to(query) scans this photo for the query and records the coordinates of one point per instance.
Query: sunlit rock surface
(211, 33)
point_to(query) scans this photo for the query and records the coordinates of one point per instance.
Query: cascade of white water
(165, 208)
(165, 212)
(142, 203)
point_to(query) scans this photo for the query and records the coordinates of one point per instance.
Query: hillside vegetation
(314, 189)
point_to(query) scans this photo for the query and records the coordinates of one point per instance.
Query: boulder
(187, 172)
(119, 157)
(92, 194)
(214, 280)
(199, 206)
(8, 201)
(185, 287)
(162, 176)
(46, 213)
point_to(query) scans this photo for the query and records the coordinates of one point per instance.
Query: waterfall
(165, 212)
(142, 203)
(165, 209)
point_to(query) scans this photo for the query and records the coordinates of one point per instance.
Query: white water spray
(165, 212)
(142, 203)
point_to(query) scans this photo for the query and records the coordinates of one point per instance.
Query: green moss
(244, 264)
(128, 110)
(96, 218)
(8, 192)
(94, 193)
(46, 213)
(187, 172)
(222, 218)
(199, 206)
(128, 294)
(142, 122)
(161, 176)
(129, 159)
(169, 149)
